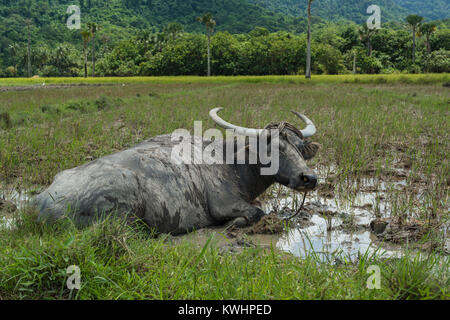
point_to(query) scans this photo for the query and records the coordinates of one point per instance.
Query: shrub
(5, 120)
(76, 106)
(414, 68)
(329, 59)
(369, 65)
(10, 72)
(364, 63)
(49, 71)
(103, 103)
(437, 61)
(50, 109)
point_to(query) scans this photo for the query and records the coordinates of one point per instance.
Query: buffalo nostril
(310, 181)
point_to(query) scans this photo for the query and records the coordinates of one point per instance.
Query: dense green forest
(430, 9)
(334, 10)
(355, 10)
(255, 37)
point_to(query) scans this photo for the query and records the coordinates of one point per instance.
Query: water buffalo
(144, 183)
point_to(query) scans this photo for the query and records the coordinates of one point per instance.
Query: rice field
(386, 128)
(360, 78)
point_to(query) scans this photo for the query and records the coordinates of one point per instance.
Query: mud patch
(396, 231)
(269, 224)
(227, 241)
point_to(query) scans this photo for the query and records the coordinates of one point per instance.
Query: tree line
(414, 46)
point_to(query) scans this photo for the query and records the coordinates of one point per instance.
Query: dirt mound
(269, 224)
(392, 230)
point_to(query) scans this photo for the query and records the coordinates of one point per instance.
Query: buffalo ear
(310, 150)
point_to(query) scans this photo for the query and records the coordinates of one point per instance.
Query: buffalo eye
(309, 150)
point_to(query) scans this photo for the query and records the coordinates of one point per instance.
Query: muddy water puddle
(332, 228)
(10, 201)
(335, 228)
(13, 197)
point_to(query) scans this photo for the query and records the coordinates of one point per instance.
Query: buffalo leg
(241, 213)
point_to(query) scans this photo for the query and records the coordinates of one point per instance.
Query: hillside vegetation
(155, 37)
(430, 9)
(355, 10)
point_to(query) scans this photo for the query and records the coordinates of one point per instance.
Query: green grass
(120, 262)
(382, 78)
(365, 127)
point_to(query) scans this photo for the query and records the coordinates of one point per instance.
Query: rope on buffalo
(299, 209)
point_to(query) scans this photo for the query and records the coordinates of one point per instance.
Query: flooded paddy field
(335, 227)
(329, 225)
(382, 194)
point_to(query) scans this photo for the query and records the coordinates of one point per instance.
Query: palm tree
(93, 28)
(308, 50)
(414, 21)
(60, 58)
(144, 37)
(158, 41)
(105, 40)
(427, 29)
(173, 30)
(28, 23)
(14, 49)
(365, 35)
(41, 55)
(86, 35)
(208, 21)
(354, 61)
